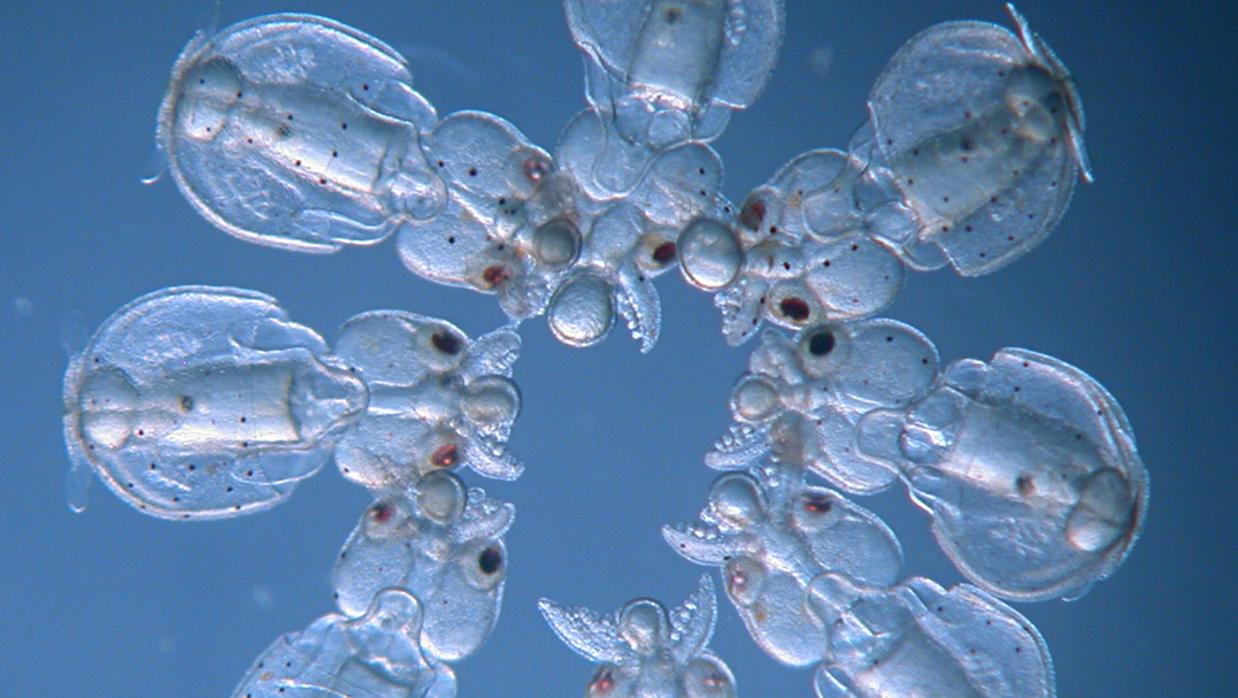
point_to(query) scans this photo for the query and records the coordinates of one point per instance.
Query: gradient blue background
(1136, 287)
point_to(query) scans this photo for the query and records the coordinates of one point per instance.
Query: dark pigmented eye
(752, 214)
(445, 456)
(446, 342)
(495, 274)
(381, 512)
(490, 560)
(602, 682)
(664, 253)
(821, 343)
(794, 309)
(535, 169)
(817, 503)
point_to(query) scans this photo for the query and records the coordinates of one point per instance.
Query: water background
(1136, 287)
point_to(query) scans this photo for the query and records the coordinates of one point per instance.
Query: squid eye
(603, 682)
(823, 350)
(446, 342)
(752, 215)
(445, 456)
(439, 346)
(381, 513)
(705, 677)
(385, 518)
(816, 503)
(794, 309)
(656, 252)
(820, 343)
(535, 168)
(490, 561)
(485, 564)
(664, 253)
(745, 578)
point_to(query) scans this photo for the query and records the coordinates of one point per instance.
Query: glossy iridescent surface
(319, 304)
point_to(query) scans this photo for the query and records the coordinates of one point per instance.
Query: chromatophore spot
(987, 156)
(1029, 469)
(372, 655)
(437, 400)
(918, 639)
(802, 397)
(582, 311)
(203, 402)
(645, 651)
(298, 132)
(772, 533)
(442, 544)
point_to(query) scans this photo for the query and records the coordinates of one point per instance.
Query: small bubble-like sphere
(710, 255)
(583, 311)
(737, 500)
(642, 624)
(441, 497)
(557, 243)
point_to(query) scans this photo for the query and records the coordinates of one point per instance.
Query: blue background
(1136, 287)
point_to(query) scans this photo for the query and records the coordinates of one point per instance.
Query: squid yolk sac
(441, 497)
(556, 243)
(735, 498)
(755, 400)
(494, 275)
